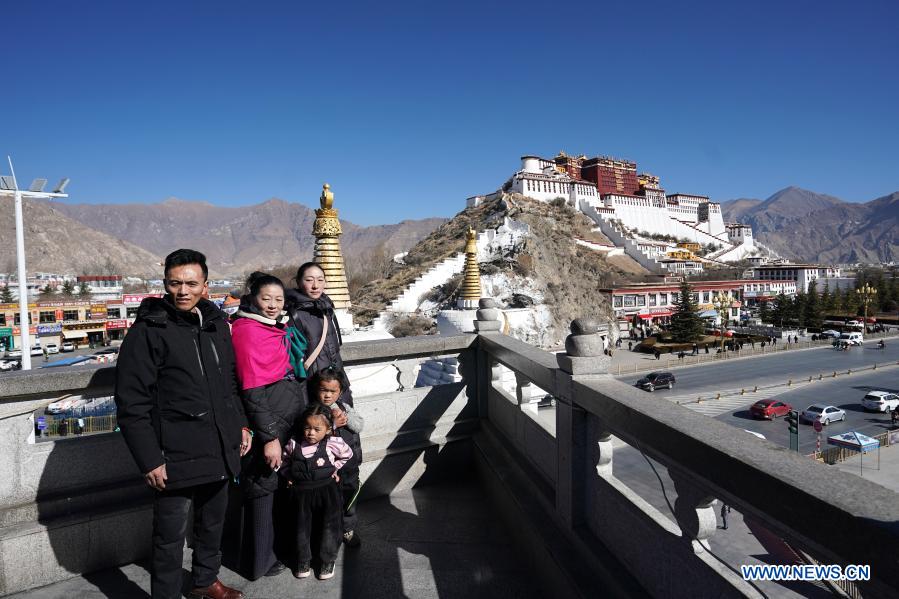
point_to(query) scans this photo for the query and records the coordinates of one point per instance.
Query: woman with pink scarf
(268, 351)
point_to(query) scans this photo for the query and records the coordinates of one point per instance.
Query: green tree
(827, 299)
(850, 302)
(797, 309)
(6, 296)
(46, 292)
(764, 311)
(781, 310)
(813, 317)
(68, 288)
(837, 301)
(686, 325)
(84, 290)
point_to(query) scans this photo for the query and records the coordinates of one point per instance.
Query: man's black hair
(183, 257)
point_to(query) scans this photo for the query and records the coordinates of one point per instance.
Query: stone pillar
(694, 510)
(489, 317)
(583, 358)
(326, 229)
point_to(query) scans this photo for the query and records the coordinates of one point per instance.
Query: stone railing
(78, 504)
(567, 459)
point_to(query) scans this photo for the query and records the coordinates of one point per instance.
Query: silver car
(826, 414)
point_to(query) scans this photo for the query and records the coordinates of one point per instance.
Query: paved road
(711, 378)
(38, 361)
(843, 392)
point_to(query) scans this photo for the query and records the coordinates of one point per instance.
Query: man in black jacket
(182, 419)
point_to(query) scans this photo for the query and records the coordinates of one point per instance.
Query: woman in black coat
(311, 308)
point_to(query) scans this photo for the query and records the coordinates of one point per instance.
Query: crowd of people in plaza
(247, 420)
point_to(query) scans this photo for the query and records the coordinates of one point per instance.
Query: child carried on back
(312, 459)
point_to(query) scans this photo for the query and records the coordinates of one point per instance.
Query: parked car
(14, 353)
(826, 414)
(64, 405)
(830, 334)
(52, 348)
(655, 380)
(852, 338)
(7, 365)
(36, 350)
(769, 409)
(68, 346)
(880, 401)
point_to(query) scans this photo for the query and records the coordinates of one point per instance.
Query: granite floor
(436, 541)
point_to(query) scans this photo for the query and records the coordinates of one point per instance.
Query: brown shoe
(215, 591)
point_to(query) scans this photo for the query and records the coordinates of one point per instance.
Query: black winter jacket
(176, 393)
(308, 315)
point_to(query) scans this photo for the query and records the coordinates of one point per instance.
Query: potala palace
(676, 233)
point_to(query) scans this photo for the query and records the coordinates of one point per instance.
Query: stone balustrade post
(489, 317)
(405, 373)
(584, 358)
(694, 510)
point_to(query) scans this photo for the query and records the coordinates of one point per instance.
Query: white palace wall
(658, 220)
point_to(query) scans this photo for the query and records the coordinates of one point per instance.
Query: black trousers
(349, 487)
(170, 515)
(318, 513)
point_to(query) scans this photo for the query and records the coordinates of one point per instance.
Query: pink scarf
(260, 352)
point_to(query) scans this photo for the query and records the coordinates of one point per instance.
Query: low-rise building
(654, 302)
(802, 274)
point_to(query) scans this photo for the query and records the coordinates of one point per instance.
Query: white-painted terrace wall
(617, 237)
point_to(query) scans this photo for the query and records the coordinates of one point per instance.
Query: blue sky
(406, 109)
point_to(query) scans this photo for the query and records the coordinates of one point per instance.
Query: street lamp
(10, 187)
(866, 293)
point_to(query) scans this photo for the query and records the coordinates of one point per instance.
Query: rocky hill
(237, 240)
(805, 225)
(550, 267)
(56, 243)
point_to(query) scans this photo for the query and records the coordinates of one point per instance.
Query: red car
(769, 409)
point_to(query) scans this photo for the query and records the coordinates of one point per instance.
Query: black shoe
(326, 571)
(276, 569)
(303, 571)
(351, 538)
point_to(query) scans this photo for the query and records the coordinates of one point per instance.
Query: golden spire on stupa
(327, 249)
(471, 275)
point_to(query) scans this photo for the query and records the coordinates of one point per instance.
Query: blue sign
(43, 329)
(41, 422)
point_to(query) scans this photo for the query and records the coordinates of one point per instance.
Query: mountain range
(134, 238)
(804, 225)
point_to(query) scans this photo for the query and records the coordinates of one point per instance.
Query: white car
(880, 401)
(68, 346)
(36, 350)
(52, 348)
(826, 414)
(852, 338)
(14, 353)
(830, 334)
(7, 365)
(64, 405)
